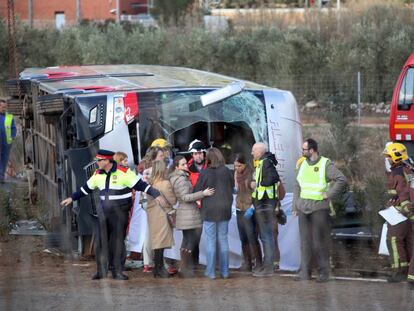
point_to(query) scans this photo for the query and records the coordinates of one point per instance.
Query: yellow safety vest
(271, 191)
(8, 127)
(119, 187)
(312, 179)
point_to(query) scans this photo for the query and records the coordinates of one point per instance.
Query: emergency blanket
(288, 239)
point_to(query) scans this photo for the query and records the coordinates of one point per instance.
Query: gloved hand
(249, 212)
(280, 216)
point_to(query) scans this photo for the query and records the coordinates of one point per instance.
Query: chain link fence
(368, 88)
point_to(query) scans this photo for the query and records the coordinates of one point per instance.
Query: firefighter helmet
(396, 152)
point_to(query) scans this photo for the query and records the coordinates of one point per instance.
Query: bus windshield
(163, 114)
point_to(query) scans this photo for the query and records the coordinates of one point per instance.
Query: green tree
(171, 12)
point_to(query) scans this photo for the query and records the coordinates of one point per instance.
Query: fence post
(359, 98)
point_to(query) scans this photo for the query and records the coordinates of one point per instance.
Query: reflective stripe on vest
(271, 191)
(404, 206)
(119, 185)
(312, 181)
(8, 127)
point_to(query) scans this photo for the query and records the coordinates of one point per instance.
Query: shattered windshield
(180, 109)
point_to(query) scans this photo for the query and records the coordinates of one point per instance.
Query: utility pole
(78, 11)
(359, 97)
(30, 13)
(118, 11)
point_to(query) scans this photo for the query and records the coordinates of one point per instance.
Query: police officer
(265, 198)
(115, 193)
(7, 134)
(399, 197)
(311, 198)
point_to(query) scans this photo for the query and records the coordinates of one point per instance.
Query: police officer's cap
(103, 154)
(196, 146)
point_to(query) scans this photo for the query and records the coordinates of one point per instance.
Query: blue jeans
(217, 231)
(4, 159)
(264, 216)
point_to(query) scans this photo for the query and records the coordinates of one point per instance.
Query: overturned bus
(70, 112)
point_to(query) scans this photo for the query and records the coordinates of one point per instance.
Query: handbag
(171, 216)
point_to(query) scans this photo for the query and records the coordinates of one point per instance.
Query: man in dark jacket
(197, 164)
(265, 197)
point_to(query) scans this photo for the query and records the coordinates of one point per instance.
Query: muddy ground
(31, 279)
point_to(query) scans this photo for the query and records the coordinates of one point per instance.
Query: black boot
(98, 276)
(159, 269)
(258, 265)
(247, 259)
(398, 275)
(101, 273)
(119, 276)
(186, 270)
(304, 274)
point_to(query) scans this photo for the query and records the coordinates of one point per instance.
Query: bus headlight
(119, 110)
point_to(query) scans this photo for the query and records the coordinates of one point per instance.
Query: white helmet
(196, 146)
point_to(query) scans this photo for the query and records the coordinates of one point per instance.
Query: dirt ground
(31, 279)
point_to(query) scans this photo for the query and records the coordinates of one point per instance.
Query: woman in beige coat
(188, 214)
(160, 230)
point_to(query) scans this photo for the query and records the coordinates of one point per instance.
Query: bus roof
(125, 77)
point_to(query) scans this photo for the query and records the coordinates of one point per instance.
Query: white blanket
(289, 242)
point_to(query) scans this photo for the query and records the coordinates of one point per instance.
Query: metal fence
(368, 88)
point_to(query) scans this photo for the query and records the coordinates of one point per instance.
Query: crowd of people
(193, 197)
(197, 196)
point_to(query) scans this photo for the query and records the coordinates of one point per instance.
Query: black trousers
(159, 257)
(248, 232)
(191, 238)
(315, 240)
(196, 249)
(110, 233)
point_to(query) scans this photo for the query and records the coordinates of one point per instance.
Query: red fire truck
(402, 111)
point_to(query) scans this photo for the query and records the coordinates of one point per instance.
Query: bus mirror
(223, 93)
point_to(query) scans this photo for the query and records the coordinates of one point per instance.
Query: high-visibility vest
(271, 191)
(117, 191)
(312, 179)
(8, 127)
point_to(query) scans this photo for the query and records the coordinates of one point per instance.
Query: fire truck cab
(401, 125)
